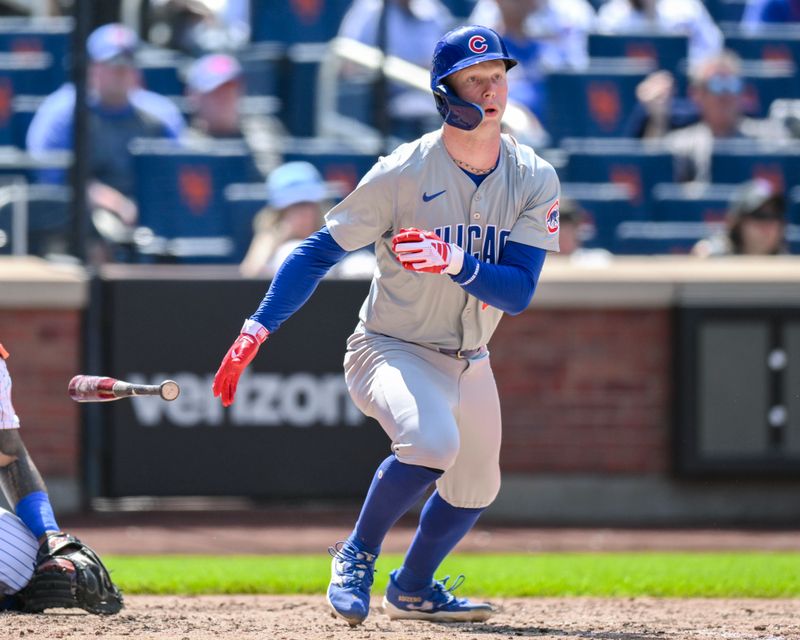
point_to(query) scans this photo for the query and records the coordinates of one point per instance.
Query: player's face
(484, 84)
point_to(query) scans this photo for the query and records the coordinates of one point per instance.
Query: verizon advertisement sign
(262, 400)
(293, 431)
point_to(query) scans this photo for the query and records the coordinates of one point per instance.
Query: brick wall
(45, 353)
(584, 390)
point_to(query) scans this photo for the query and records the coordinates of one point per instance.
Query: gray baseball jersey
(419, 185)
(439, 411)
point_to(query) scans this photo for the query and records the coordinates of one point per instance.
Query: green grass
(717, 575)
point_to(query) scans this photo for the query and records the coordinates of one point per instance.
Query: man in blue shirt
(119, 110)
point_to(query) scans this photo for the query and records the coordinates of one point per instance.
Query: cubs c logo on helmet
(477, 44)
(552, 219)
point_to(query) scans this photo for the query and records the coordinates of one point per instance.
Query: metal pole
(19, 217)
(79, 173)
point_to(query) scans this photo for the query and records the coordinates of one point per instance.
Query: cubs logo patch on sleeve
(552, 218)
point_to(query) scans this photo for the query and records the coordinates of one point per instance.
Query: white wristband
(456, 261)
(255, 329)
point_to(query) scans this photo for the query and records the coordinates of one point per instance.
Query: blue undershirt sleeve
(508, 285)
(297, 278)
(37, 513)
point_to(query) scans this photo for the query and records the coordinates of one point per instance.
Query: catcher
(41, 567)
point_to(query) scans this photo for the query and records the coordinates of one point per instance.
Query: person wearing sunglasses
(717, 89)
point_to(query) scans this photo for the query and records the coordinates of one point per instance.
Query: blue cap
(111, 42)
(211, 71)
(295, 182)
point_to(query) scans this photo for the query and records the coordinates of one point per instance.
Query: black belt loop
(462, 354)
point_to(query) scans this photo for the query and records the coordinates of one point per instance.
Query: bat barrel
(84, 388)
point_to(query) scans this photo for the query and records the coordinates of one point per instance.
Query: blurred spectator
(214, 86)
(573, 222)
(215, 90)
(761, 14)
(716, 88)
(687, 17)
(197, 27)
(755, 224)
(412, 29)
(540, 38)
(658, 110)
(560, 27)
(297, 199)
(119, 110)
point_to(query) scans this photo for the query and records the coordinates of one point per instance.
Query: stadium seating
(595, 102)
(242, 202)
(16, 162)
(766, 81)
(794, 205)
(778, 43)
(460, 8)
(683, 214)
(262, 65)
(42, 209)
(23, 109)
(691, 202)
(181, 199)
(30, 73)
(48, 36)
(298, 88)
(162, 70)
(633, 163)
(294, 22)
(605, 206)
(664, 51)
(652, 238)
(726, 11)
(335, 162)
(735, 161)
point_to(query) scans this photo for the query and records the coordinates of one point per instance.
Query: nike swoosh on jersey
(428, 198)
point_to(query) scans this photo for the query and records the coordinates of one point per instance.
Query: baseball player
(40, 565)
(462, 219)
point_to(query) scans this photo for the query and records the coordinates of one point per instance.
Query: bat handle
(169, 390)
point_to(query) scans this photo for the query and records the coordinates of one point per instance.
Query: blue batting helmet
(459, 49)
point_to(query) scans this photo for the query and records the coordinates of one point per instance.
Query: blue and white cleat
(435, 602)
(352, 571)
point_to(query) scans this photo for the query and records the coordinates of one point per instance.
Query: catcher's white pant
(439, 411)
(17, 553)
(8, 418)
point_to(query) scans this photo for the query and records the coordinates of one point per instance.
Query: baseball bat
(84, 388)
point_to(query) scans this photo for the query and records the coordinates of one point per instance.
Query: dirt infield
(307, 617)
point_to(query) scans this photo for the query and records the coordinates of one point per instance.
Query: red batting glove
(419, 250)
(240, 354)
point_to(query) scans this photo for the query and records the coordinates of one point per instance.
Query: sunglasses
(721, 85)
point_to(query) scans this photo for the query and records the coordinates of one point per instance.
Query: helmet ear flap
(455, 111)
